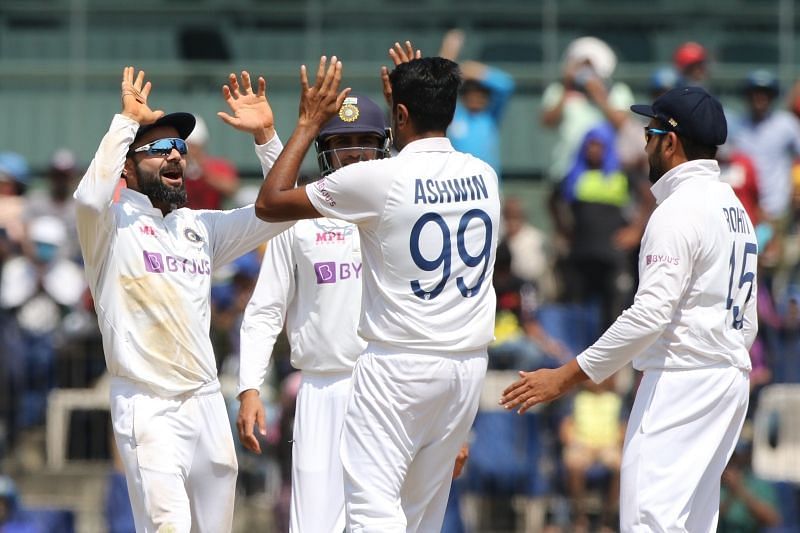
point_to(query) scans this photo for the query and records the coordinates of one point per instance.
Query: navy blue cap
(183, 122)
(690, 112)
(358, 114)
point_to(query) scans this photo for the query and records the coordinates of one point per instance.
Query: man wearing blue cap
(310, 280)
(689, 329)
(148, 265)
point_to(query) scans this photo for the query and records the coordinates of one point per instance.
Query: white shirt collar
(137, 200)
(428, 144)
(707, 169)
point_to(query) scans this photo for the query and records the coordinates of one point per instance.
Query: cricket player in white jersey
(311, 279)
(427, 221)
(689, 329)
(148, 264)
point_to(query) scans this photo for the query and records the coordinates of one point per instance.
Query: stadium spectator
(771, 139)
(39, 288)
(56, 200)
(589, 214)
(748, 504)
(210, 180)
(14, 178)
(691, 62)
(519, 339)
(585, 97)
(591, 435)
(528, 245)
(484, 95)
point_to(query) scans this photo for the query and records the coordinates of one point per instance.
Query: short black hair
(694, 150)
(428, 87)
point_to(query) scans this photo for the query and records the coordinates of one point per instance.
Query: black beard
(150, 185)
(655, 173)
(656, 170)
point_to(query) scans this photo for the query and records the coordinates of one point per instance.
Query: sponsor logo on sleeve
(653, 259)
(320, 185)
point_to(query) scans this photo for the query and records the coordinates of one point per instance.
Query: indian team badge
(192, 236)
(349, 110)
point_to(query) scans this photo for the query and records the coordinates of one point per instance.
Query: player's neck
(418, 136)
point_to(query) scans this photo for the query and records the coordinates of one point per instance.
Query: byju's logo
(159, 264)
(326, 272)
(153, 262)
(330, 271)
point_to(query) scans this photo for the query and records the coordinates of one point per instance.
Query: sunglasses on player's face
(163, 147)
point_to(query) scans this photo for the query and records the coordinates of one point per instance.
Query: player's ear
(129, 171)
(401, 115)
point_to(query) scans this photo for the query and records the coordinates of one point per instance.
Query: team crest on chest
(192, 236)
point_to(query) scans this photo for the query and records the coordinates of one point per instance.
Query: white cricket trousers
(180, 463)
(681, 433)
(317, 504)
(408, 415)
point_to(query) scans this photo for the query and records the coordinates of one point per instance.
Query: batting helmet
(358, 115)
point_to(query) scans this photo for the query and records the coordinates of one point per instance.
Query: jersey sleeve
(352, 193)
(265, 313)
(95, 192)
(661, 287)
(237, 231)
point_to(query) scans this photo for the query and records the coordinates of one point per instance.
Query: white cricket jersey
(428, 222)
(311, 278)
(150, 274)
(696, 302)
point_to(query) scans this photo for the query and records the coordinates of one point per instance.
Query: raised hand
(134, 98)
(321, 101)
(251, 110)
(398, 55)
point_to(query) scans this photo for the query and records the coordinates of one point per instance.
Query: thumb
(226, 118)
(158, 113)
(261, 422)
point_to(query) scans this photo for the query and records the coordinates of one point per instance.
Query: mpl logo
(331, 271)
(330, 236)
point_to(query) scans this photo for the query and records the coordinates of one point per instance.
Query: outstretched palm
(134, 98)
(251, 110)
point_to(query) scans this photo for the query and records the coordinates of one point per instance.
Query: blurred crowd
(558, 288)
